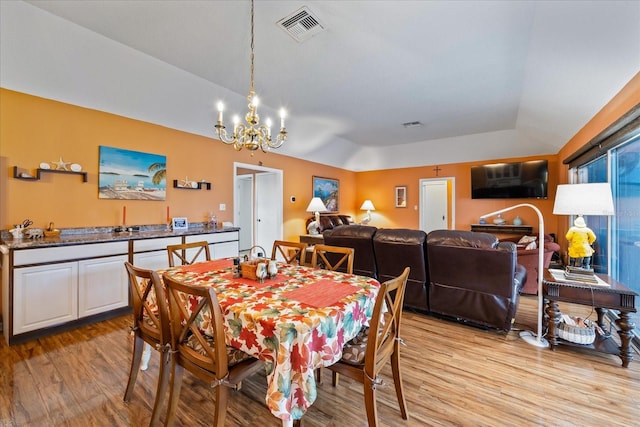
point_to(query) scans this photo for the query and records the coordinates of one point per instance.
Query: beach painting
(132, 175)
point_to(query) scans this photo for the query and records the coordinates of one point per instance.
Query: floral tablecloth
(295, 323)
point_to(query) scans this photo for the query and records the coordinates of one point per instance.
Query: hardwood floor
(454, 375)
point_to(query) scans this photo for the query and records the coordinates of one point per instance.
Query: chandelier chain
(251, 88)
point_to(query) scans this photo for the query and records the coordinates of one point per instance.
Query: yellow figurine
(580, 239)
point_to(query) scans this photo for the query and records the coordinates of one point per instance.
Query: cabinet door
(223, 244)
(44, 296)
(226, 250)
(156, 260)
(102, 285)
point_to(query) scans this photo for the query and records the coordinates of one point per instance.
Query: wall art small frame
(328, 190)
(179, 224)
(401, 196)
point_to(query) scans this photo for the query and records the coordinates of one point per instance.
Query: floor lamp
(528, 336)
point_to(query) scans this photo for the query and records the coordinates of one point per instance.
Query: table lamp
(367, 206)
(528, 336)
(316, 206)
(584, 199)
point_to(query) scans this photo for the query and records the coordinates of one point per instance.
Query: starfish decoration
(186, 182)
(61, 164)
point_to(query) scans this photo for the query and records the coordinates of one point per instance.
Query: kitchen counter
(77, 236)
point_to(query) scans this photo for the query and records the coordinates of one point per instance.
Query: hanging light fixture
(251, 135)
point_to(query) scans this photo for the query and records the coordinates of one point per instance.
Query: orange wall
(35, 130)
(379, 186)
(627, 98)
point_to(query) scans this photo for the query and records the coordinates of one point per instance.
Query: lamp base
(530, 338)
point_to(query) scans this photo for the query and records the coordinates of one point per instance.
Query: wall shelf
(201, 185)
(503, 229)
(39, 171)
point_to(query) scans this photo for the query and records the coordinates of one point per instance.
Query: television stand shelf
(503, 229)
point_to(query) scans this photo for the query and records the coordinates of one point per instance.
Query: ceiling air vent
(301, 24)
(412, 124)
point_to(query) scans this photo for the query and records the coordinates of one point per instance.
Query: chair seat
(354, 351)
(234, 355)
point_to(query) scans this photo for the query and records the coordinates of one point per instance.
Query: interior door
(268, 210)
(244, 210)
(258, 205)
(434, 205)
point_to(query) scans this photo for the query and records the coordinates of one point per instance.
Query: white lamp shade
(367, 206)
(584, 199)
(316, 205)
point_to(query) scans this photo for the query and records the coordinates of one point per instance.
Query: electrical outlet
(223, 207)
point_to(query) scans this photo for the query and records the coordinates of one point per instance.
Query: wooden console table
(613, 297)
(311, 239)
(503, 229)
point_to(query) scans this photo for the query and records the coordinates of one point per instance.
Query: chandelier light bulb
(220, 110)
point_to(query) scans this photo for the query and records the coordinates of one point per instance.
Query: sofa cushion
(397, 248)
(470, 239)
(360, 238)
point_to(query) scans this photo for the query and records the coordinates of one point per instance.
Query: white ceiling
(487, 79)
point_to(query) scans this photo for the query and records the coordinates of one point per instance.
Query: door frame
(451, 199)
(280, 214)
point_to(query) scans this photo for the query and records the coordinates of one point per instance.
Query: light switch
(223, 207)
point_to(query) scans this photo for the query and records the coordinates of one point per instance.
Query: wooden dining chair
(150, 326)
(184, 253)
(335, 258)
(292, 252)
(205, 355)
(364, 356)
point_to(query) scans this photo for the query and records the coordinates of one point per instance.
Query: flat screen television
(518, 180)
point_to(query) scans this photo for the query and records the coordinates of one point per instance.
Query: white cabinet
(152, 253)
(44, 296)
(60, 291)
(221, 244)
(46, 287)
(102, 285)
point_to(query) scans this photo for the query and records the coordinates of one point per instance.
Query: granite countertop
(78, 236)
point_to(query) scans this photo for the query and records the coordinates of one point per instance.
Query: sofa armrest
(520, 277)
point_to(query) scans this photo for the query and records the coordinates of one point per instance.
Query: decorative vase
(499, 220)
(517, 221)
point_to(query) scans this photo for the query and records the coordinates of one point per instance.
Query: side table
(616, 296)
(310, 240)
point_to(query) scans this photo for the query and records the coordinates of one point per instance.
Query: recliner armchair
(474, 277)
(397, 248)
(360, 238)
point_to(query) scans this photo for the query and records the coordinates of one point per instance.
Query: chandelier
(251, 135)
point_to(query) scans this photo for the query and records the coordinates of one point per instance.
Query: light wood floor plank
(454, 375)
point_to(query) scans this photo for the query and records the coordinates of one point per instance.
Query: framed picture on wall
(401, 196)
(131, 175)
(328, 190)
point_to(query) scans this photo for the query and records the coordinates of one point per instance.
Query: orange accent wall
(379, 186)
(627, 98)
(35, 130)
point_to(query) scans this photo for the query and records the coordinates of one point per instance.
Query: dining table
(295, 321)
